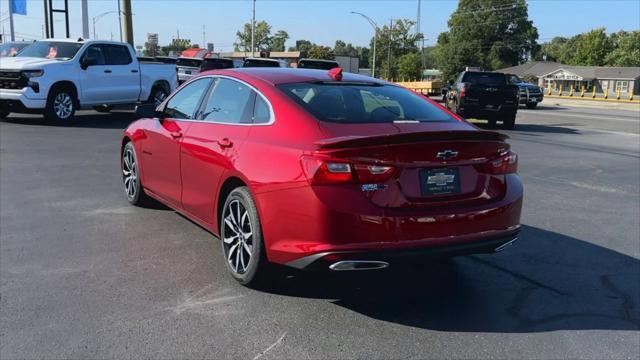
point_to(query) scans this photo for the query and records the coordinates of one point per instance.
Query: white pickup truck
(57, 77)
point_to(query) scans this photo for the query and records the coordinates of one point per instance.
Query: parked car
(317, 64)
(529, 95)
(11, 49)
(216, 64)
(187, 68)
(263, 62)
(56, 77)
(320, 170)
(484, 95)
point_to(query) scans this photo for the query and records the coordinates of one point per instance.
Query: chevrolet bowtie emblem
(447, 154)
(440, 179)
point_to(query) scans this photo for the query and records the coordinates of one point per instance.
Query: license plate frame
(439, 181)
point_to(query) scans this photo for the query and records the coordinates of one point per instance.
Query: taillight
(320, 170)
(505, 163)
(463, 90)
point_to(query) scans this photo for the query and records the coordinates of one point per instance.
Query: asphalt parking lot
(85, 275)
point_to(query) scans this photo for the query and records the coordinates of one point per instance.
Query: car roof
(319, 60)
(277, 76)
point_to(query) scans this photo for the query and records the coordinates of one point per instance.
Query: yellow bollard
(571, 90)
(549, 89)
(593, 95)
(618, 94)
(606, 92)
(630, 94)
(560, 91)
(582, 91)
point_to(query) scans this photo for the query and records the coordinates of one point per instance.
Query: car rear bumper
(297, 223)
(483, 111)
(21, 100)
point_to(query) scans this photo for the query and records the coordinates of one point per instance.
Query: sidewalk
(588, 103)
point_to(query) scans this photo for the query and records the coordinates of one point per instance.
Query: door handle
(176, 134)
(108, 71)
(134, 71)
(225, 143)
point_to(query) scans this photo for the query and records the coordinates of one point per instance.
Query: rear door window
(116, 54)
(229, 103)
(363, 103)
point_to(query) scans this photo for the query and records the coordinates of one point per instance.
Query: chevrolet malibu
(314, 169)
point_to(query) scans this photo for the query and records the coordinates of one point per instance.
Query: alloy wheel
(129, 173)
(237, 237)
(63, 105)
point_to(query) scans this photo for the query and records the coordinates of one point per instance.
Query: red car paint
(186, 164)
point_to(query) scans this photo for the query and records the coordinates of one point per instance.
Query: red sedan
(313, 169)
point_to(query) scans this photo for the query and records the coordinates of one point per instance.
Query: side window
(95, 52)
(261, 112)
(184, 103)
(228, 103)
(116, 54)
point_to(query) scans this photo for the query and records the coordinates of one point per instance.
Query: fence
(583, 93)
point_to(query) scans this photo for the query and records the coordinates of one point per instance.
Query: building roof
(543, 68)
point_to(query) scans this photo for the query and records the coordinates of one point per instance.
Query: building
(605, 79)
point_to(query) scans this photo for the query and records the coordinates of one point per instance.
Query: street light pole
(98, 17)
(375, 39)
(253, 30)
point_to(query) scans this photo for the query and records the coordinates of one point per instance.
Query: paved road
(85, 275)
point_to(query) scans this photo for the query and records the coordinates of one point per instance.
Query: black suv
(484, 95)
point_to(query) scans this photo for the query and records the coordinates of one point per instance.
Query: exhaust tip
(350, 265)
(505, 245)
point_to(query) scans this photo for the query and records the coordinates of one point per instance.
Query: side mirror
(88, 61)
(147, 111)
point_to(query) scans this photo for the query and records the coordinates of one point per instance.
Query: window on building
(622, 86)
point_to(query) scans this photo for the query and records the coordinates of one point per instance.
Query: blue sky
(320, 21)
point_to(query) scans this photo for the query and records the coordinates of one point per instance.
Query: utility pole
(375, 39)
(119, 19)
(46, 19)
(204, 38)
(389, 51)
(421, 46)
(253, 30)
(128, 21)
(85, 19)
(13, 34)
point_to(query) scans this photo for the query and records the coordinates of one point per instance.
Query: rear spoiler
(408, 138)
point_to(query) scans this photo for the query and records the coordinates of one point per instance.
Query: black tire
(132, 185)
(103, 108)
(532, 105)
(61, 105)
(509, 121)
(492, 122)
(236, 245)
(157, 95)
(4, 114)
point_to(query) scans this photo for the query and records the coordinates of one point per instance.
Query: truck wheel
(158, 94)
(531, 105)
(492, 123)
(509, 121)
(61, 105)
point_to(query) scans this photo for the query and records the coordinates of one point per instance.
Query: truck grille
(12, 80)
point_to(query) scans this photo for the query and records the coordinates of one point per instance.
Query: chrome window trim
(272, 116)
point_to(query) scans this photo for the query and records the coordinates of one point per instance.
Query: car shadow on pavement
(114, 120)
(545, 282)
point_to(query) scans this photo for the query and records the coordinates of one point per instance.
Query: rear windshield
(484, 78)
(260, 63)
(189, 62)
(51, 50)
(363, 103)
(322, 65)
(212, 64)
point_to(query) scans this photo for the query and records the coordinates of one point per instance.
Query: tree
(262, 37)
(321, 52)
(627, 49)
(489, 34)
(151, 49)
(302, 46)
(409, 67)
(393, 41)
(176, 46)
(278, 41)
(592, 48)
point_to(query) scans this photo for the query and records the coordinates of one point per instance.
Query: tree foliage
(409, 67)
(489, 34)
(594, 48)
(263, 39)
(343, 49)
(176, 46)
(394, 41)
(278, 41)
(321, 52)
